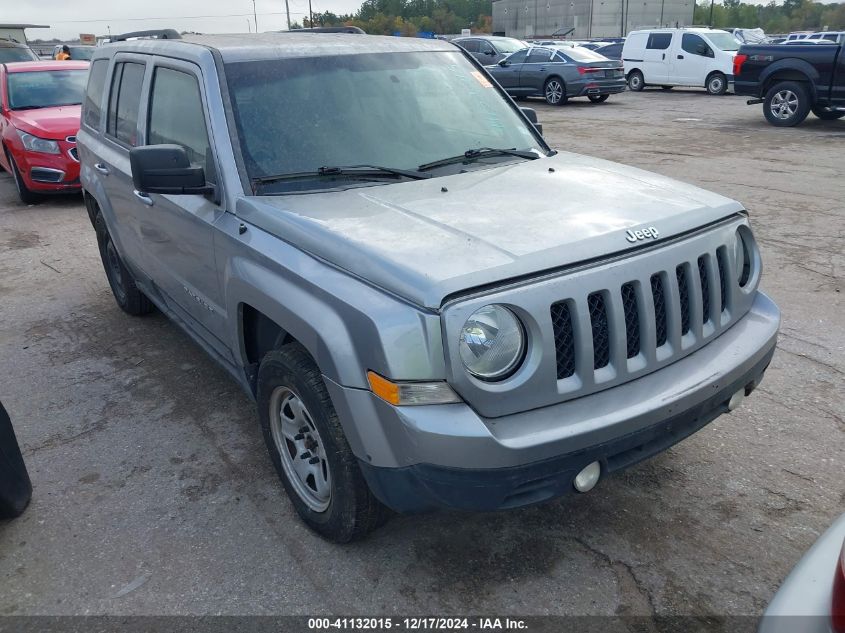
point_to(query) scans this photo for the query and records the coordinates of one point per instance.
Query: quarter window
(176, 115)
(124, 102)
(659, 41)
(94, 93)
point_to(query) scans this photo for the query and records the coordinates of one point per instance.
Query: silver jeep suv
(430, 307)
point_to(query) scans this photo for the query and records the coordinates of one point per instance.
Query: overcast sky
(69, 18)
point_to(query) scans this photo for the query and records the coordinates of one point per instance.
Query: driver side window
(695, 45)
(518, 57)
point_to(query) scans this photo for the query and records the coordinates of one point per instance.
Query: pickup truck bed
(792, 81)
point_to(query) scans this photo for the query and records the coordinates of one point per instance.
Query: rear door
(690, 60)
(122, 124)
(656, 58)
(177, 230)
(534, 71)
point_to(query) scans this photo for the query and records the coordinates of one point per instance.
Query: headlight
(35, 144)
(492, 343)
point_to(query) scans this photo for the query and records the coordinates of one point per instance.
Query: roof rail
(161, 34)
(328, 29)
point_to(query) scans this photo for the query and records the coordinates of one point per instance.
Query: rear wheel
(126, 293)
(309, 449)
(636, 81)
(826, 114)
(27, 195)
(717, 84)
(554, 91)
(597, 98)
(786, 104)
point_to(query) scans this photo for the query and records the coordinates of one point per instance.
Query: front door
(535, 70)
(508, 75)
(177, 230)
(691, 60)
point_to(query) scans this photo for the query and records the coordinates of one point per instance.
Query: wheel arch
(789, 70)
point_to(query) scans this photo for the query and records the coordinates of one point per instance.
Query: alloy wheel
(554, 91)
(301, 449)
(784, 104)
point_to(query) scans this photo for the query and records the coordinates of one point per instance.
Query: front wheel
(786, 104)
(27, 195)
(636, 81)
(827, 115)
(309, 449)
(717, 84)
(554, 91)
(127, 295)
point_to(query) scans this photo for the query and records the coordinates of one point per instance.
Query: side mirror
(504, 63)
(490, 52)
(166, 169)
(531, 115)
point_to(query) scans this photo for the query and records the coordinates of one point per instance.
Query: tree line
(791, 15)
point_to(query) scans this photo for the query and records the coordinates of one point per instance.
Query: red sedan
(40, 105)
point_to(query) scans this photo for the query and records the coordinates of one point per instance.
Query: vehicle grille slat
(721, 260)
(705, 288)
(661, 324)
(684, 297)
(564, 340)
(630, 306)
(601, 330)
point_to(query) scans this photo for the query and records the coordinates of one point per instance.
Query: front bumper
(50, 173)
(416, 458)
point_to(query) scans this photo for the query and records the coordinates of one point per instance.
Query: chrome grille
(74, 154)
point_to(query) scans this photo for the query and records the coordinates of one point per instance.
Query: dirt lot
(154, 494)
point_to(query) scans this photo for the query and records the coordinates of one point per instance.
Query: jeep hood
(428, 239)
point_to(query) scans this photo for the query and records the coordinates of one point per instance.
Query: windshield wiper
(351, 171)
(481, 152)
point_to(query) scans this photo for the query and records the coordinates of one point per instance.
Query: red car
(40, 105)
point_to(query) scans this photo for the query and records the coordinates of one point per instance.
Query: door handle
(144, 198)
(542, 68)
(680, 56)
(663, 56)
(100, 167)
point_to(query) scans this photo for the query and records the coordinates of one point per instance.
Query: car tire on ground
(15, 485)
(126, 293)
(309, 449)
(825, 114)
(717, 84)
(554, 91)
(786, 104)
(597, 98)
(636, 82)
(27, 195)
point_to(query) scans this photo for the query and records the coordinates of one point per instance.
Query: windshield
(44, 89)
(294, 116)
(507, 46)
(724, 41)
(17, 54)
(581, 54)
(83, 53)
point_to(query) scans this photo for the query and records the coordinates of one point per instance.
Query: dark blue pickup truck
(792, 81)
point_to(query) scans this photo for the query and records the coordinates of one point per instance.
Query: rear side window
(124, 102)
(94, 93)
(176, 114)
(659, 41)
(538, 56)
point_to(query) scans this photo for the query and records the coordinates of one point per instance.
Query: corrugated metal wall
(591, 18)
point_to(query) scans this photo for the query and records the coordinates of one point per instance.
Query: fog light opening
(587, 479)
(736, 399)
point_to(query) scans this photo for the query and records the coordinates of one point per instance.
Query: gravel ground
(154, 493)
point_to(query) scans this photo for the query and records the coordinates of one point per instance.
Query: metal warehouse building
(590, 18)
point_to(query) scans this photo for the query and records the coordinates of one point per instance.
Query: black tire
(636, 81)
(554, 91)
(597, 98)
(351, 511)
(15, 485)
(826, 115)
(666, 87)
(27, 195)
(717, 84)
(126, 293)
(786, 104)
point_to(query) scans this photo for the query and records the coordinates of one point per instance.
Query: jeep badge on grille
(642, 234)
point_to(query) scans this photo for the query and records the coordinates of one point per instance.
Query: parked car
(15, 485)
(488, 49)
(680, 57)
(611, 51)
(77, 51)
(412, 337)
(39, 118)
(16, 52)
(812, 598)
(798, 35)
(559, 74)
(826, 36)
(792, 81)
